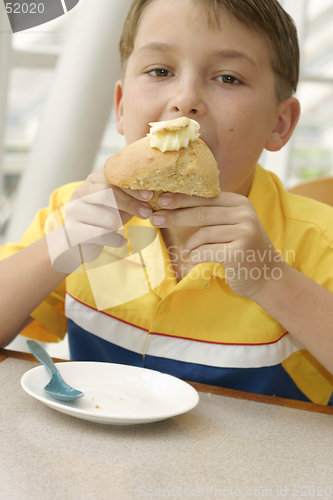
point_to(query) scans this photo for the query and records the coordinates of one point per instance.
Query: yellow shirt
(128, 308)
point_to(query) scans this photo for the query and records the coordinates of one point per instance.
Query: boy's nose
(188, 100)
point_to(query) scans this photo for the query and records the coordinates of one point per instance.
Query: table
(233, 444)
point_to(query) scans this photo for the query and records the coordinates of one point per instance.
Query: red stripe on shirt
(175, 336)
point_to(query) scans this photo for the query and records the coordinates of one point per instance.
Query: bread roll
(191, 170)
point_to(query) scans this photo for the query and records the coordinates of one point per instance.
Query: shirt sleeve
(50, 323)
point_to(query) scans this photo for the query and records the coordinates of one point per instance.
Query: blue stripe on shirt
(271, 380)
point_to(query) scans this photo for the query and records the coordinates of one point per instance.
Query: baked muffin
(171, 158)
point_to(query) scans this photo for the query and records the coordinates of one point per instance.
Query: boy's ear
(119, 107)
(288, 115)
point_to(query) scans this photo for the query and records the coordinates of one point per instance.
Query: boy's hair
(266, 17)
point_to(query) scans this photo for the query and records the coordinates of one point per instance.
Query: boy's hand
(92, 217)
(229, 233)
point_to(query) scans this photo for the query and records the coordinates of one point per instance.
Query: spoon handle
(42, 356)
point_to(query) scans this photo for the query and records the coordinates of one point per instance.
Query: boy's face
(221, 78)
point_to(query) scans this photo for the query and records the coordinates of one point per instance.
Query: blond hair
(266, 17)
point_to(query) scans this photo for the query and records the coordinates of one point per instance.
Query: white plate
(115, 394)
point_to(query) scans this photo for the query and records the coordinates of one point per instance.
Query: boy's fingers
(210, 235)
(110, 197)
(102, 197)
(110, 240)
(139, 194)
(82, 233)
(177, 200)
(97, 179)
(94, 215)
(197, 216)
(132, 204)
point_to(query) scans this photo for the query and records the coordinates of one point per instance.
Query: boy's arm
(304, 309)
(94, 214)
(27, 278)
(228, 231)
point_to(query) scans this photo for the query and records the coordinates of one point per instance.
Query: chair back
(319, 189)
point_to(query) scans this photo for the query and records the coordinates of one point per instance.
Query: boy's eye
(160, 72)
(228, 79)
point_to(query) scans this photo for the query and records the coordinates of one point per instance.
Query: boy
(229, 311)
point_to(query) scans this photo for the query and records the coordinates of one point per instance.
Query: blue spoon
(57, 387)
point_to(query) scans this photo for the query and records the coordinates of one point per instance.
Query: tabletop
(232, 444)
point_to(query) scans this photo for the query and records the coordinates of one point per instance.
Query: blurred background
(57, 123)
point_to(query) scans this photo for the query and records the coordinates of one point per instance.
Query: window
(309, 154)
